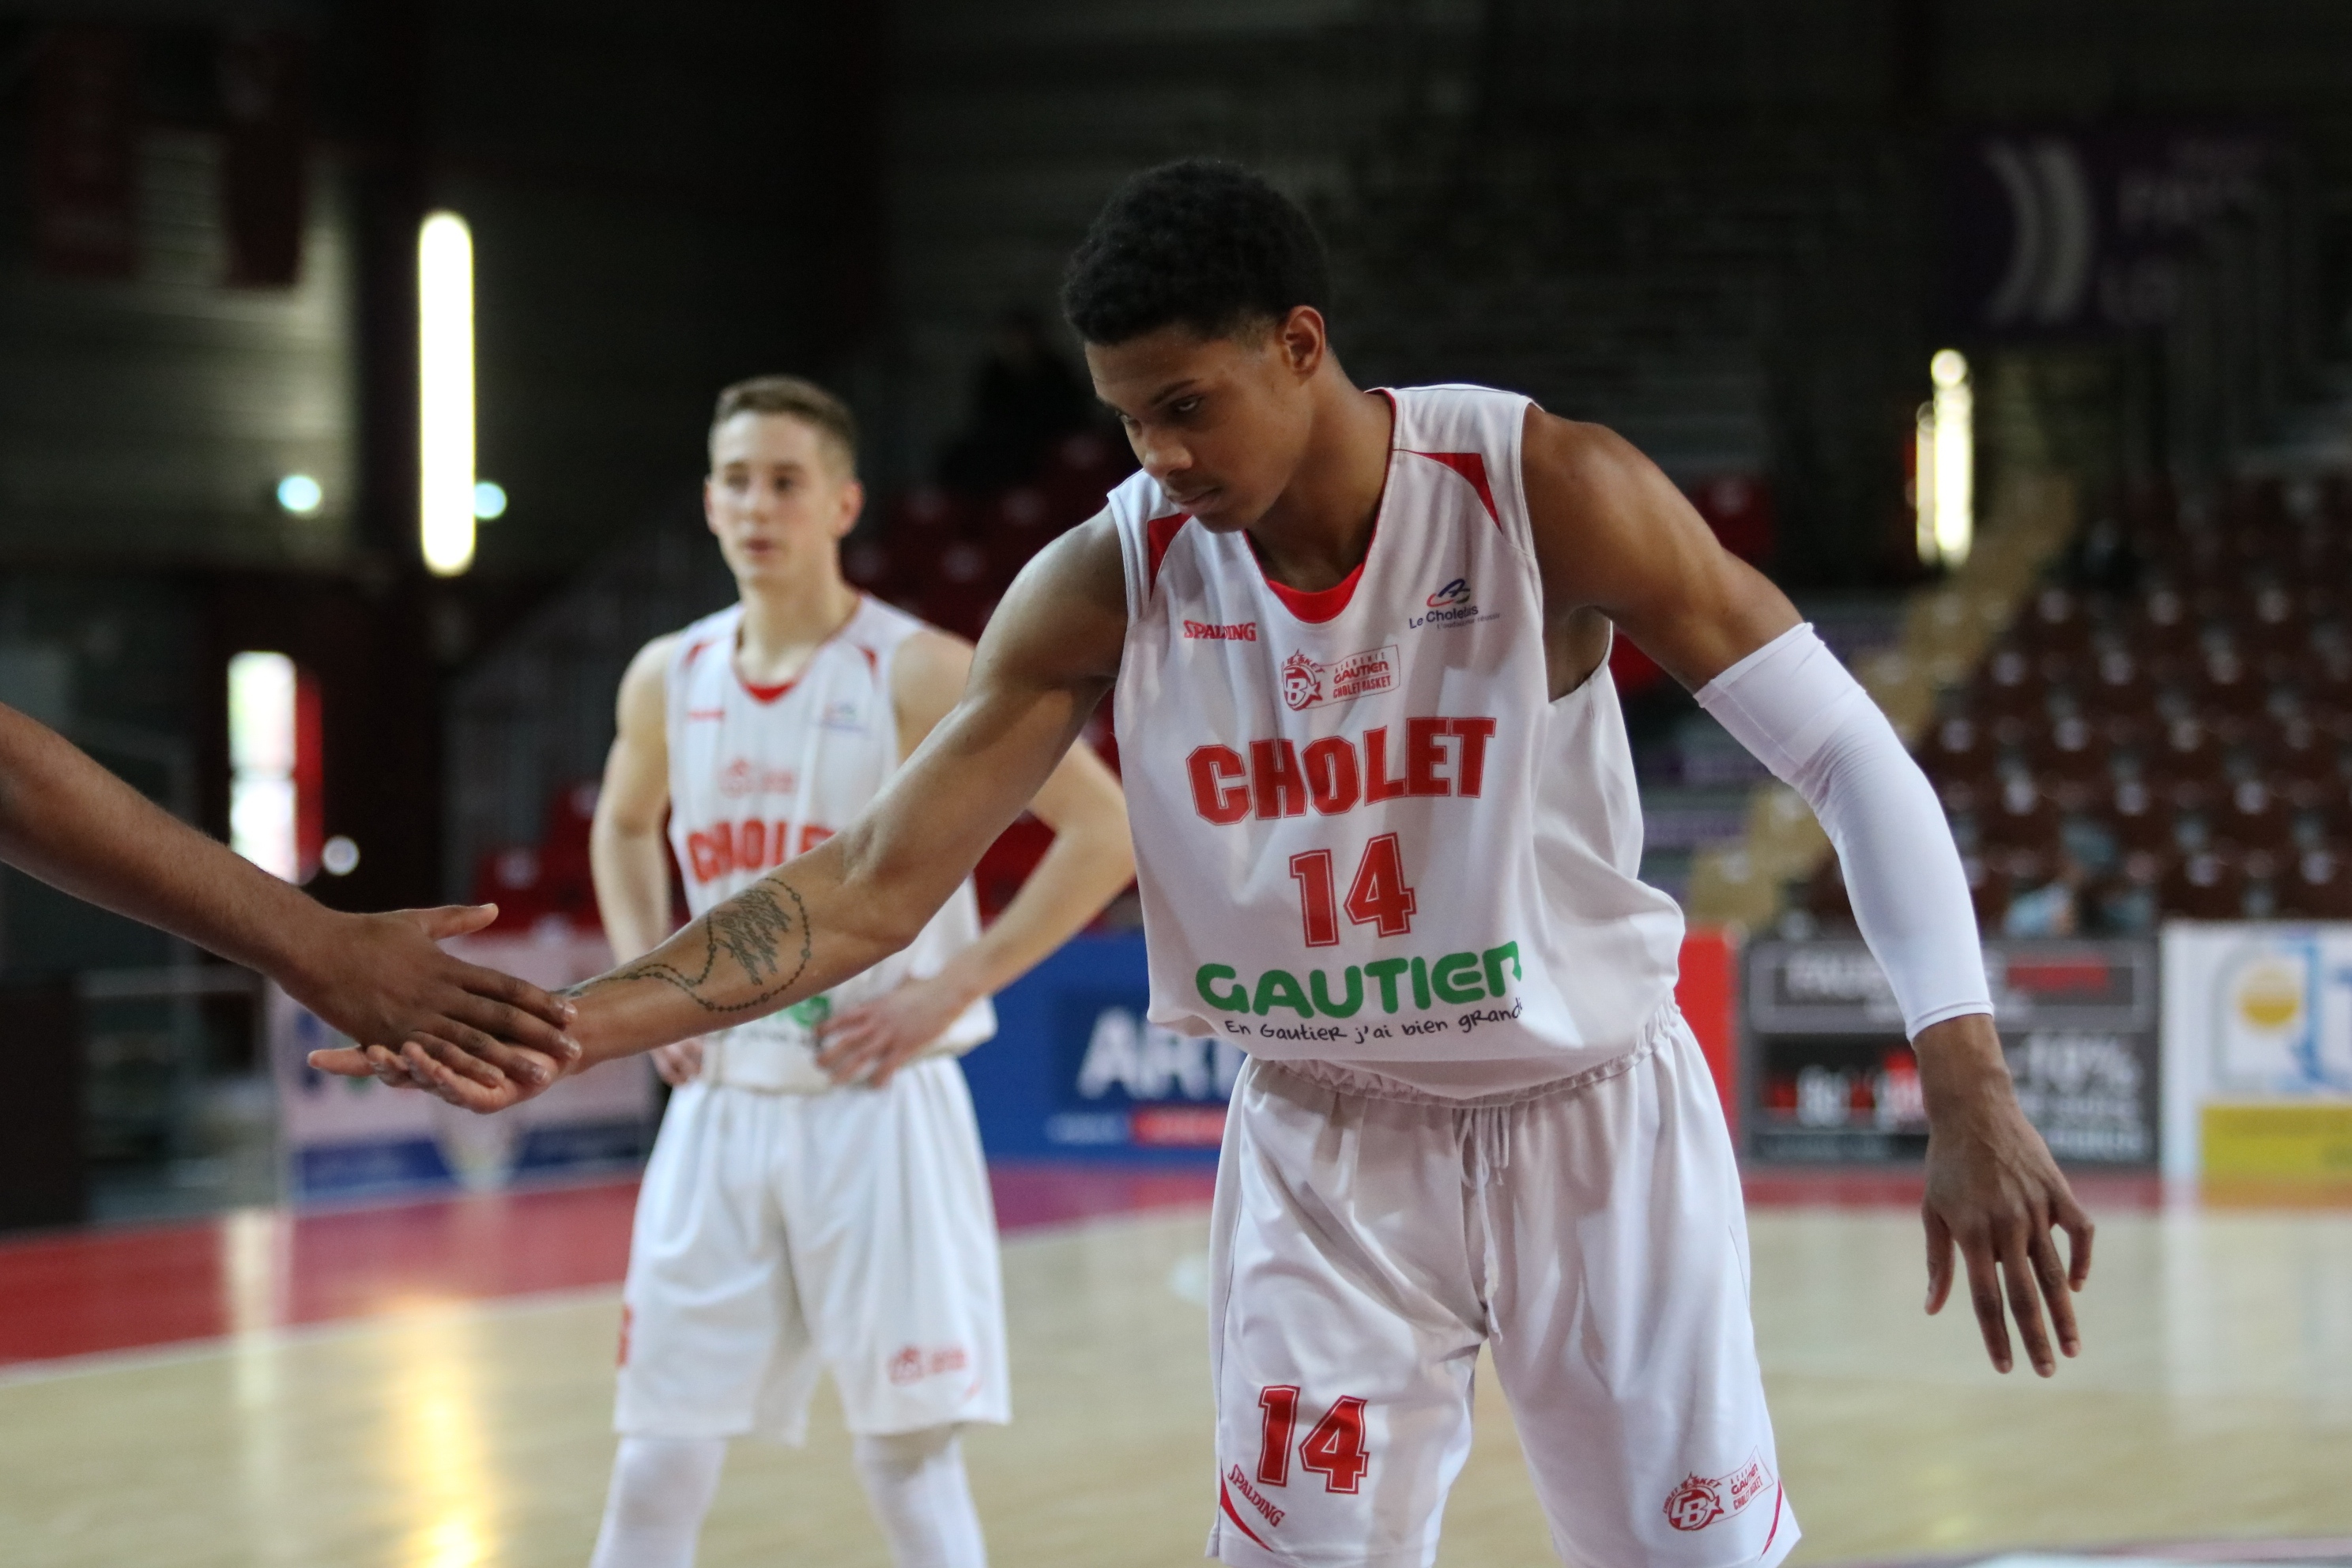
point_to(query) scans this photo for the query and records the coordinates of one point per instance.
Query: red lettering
(1474, 734)
(810, 837)
(1219, 792)
(1280, 1403)
(752, 844)
(1424, 755)
(1378, 785)
(1278, 778)
(1318, 902)
(1331, 775)
(1335, 1449)
(1281, 788)
(705, 853)
(1379, 897)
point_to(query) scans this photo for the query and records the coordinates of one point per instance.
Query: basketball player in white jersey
(816, 1197)
(1387, 832)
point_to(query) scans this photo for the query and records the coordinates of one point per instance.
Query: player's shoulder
(1464, 412)
(1576, 459)
(652, 662)
(690, 642)
(1135, 501)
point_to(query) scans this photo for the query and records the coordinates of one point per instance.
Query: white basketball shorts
(1591, 1233)
(779, 1233)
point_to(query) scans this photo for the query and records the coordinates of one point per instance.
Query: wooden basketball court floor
(429, 1385)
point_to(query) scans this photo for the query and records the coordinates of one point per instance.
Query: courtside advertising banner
(346, 1137)
(1834, 1079)
(2258, 1050)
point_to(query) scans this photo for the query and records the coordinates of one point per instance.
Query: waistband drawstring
(1486, 1139)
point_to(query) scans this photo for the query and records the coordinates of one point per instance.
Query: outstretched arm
(378, 978)
(1050, 653)
(1615, 539)
(1088, 862)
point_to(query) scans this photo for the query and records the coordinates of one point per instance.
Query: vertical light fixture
(445, 387)
(262, 810)
(1953, 476)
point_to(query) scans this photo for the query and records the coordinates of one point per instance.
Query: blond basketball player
(817, 1198)
(1387, 834)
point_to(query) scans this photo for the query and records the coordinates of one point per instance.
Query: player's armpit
(1613, 534)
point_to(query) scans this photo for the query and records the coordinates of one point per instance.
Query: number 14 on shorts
(1333, 1449)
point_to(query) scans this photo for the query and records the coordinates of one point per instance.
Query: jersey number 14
(1378, 897)
(1334, 1449)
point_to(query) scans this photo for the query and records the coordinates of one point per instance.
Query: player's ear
(1303, 340)
(852, 507)
(710, 502)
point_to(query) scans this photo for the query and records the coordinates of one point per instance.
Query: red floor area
(87, 1291)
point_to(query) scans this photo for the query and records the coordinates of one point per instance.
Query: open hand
(873, 1041)
(1994, 1191)
(440, 1069)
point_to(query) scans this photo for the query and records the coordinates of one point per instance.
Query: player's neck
(786, 621)
(1321, 527)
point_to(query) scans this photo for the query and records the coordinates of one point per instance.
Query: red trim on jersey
(1157, 535)
(1321, 604)
(693, 652)
(1780, 1495)
(1317, 605)
(1471, 465)
(771, 693)
(1225, 1497)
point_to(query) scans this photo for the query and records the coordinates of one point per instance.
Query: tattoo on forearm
(754, 930)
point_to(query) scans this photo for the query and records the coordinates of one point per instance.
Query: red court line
(83, 1292)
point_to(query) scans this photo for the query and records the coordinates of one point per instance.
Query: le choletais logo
(1453, 605)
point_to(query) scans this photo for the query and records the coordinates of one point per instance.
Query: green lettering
(1455, 978)
(1233, 1001)
(1323, 1002)
(1279, 988)
(1421, 984)
(1494, 957)
(1385, 971)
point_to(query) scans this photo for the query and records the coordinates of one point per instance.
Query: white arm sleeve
(1793, 704)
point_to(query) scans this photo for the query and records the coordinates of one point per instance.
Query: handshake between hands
(420, 1018)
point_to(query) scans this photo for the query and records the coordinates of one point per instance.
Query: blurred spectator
(2051, 910)
(1024, 398)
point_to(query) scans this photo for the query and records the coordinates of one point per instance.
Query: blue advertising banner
(1076, 1073)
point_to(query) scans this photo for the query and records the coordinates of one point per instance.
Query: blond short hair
(803, 399)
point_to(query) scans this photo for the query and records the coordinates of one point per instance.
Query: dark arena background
(356, 360)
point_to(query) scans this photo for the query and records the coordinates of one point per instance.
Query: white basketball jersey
(1364, 833)
(759, 774)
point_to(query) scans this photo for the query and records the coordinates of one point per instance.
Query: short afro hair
(1200, 244)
